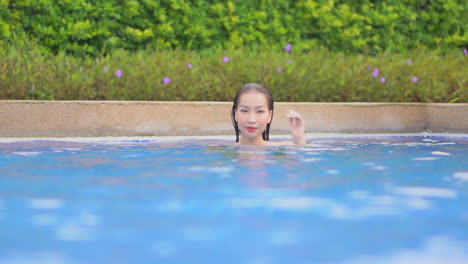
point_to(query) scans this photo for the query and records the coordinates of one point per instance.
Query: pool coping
(310, 137)
(146, 118)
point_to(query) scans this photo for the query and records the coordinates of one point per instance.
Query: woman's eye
(243, 111)
(261, 112)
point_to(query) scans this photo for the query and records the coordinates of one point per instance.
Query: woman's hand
(296, 126)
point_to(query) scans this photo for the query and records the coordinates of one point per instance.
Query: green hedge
(85, 27)
(315, 76)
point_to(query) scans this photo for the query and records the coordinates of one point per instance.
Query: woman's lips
(251, 129)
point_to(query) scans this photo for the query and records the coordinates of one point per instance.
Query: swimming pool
(350, 199)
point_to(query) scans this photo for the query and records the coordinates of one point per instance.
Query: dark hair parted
(250, 87)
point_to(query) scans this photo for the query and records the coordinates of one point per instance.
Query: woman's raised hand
(296, 126)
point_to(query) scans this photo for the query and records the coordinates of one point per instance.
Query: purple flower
(415, 79)
(289, 61)
(465, 51)
(105, 69)
(376, 72)
(288, 47)
(410, 62)
(166, 80)
(226, 59)
(190, 65)
(369, 67)
(118, 73)
(383, 80)
(280, 69)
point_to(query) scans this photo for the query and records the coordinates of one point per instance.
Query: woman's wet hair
(249, 88)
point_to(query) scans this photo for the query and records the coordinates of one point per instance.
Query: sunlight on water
(435, 250)
(425, 192)
(27, 153)
(461, 176)
(45, 219)
(46, 203)
(74, 232)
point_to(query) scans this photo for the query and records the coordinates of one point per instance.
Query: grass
(314, 76)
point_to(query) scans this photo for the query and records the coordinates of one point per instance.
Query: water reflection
(266, 168)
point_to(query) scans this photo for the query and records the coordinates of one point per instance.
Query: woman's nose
(251, 119)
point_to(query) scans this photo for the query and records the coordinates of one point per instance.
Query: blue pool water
(336, 200)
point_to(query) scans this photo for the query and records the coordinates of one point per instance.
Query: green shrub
(319, 75)
(84, 27)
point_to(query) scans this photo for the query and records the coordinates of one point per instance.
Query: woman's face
(252, 116)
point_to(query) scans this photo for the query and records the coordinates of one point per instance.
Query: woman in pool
(252, 113)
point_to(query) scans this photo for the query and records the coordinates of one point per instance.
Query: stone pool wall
(131, 118)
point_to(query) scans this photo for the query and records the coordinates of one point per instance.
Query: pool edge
(135, 118)
(143, 139)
